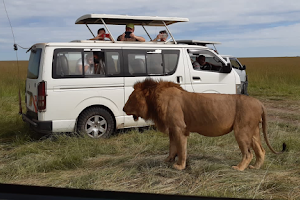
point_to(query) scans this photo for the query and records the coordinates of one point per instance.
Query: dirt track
(283, 111)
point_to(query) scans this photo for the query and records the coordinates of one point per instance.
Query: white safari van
(62, 97)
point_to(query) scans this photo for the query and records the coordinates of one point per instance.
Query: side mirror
(242, 67)
(226, 68)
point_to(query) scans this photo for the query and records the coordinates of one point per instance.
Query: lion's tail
(264, 127)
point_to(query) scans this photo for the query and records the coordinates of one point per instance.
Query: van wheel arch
(102, 115)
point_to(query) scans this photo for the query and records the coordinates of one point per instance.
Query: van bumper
(245, 88)
(39, 126)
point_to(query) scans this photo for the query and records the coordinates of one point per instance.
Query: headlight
(238, 88)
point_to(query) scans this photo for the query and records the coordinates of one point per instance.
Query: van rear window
(34, 63)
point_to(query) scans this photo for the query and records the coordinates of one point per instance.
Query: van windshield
(34, 64)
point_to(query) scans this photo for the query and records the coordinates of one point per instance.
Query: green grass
(273, 77)
(133, 161)
(12, 77)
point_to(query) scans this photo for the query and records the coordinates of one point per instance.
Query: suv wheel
(96, 122)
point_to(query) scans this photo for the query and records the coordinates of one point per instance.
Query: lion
(177, 112)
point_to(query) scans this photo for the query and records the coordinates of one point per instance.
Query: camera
(163, 35)
(106, 35)
(127, 34)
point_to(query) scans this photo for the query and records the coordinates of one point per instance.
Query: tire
(96, 122)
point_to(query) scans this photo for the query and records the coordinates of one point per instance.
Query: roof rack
(199, 43)
(125, 19)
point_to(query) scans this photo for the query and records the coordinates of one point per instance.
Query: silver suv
(241, 70)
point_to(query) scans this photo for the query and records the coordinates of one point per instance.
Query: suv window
(71, 63)
(34, 63)
(234, 63)
(151, 62)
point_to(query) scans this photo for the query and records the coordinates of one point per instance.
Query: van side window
(154, 64)
(151, 62)
(137, 63)
(205, 62)
(170, 58)
(113, 63)
(77, 63)
(64, 63)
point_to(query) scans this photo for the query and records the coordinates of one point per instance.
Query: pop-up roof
(125, 19)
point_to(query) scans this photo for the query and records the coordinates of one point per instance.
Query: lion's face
(136, 105)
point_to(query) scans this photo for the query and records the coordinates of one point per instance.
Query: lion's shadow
(202, 161)
(210, 162)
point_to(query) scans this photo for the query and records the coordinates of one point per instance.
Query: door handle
(179, 78)
(196, 78)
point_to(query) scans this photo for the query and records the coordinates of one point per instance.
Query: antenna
(16, 49)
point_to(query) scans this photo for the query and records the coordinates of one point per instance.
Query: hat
(130, 25)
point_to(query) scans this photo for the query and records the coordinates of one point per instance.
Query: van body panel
(129, 122)
(204, 82)
(63, 125)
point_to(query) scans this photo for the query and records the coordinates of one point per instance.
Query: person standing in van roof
(161, 37)
(129, 35)
(101, 35)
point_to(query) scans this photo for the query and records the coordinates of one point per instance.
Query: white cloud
(236, 23)
(268, 37)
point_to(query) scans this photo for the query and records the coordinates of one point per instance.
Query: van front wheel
(96, 122)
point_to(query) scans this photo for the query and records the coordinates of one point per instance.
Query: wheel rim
(95, 126)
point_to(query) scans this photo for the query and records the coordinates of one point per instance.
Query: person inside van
(99, 63)
(89, 67)
(129, 35)
(201, 64)
(161, 37)
(101, 35)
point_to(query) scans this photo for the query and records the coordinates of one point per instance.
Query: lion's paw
(253, 167)
(179, 167)
(170, 159)
(237, 168)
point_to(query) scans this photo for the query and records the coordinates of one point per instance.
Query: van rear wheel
(96, 122)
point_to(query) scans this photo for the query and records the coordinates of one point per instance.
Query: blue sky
(246, 28)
